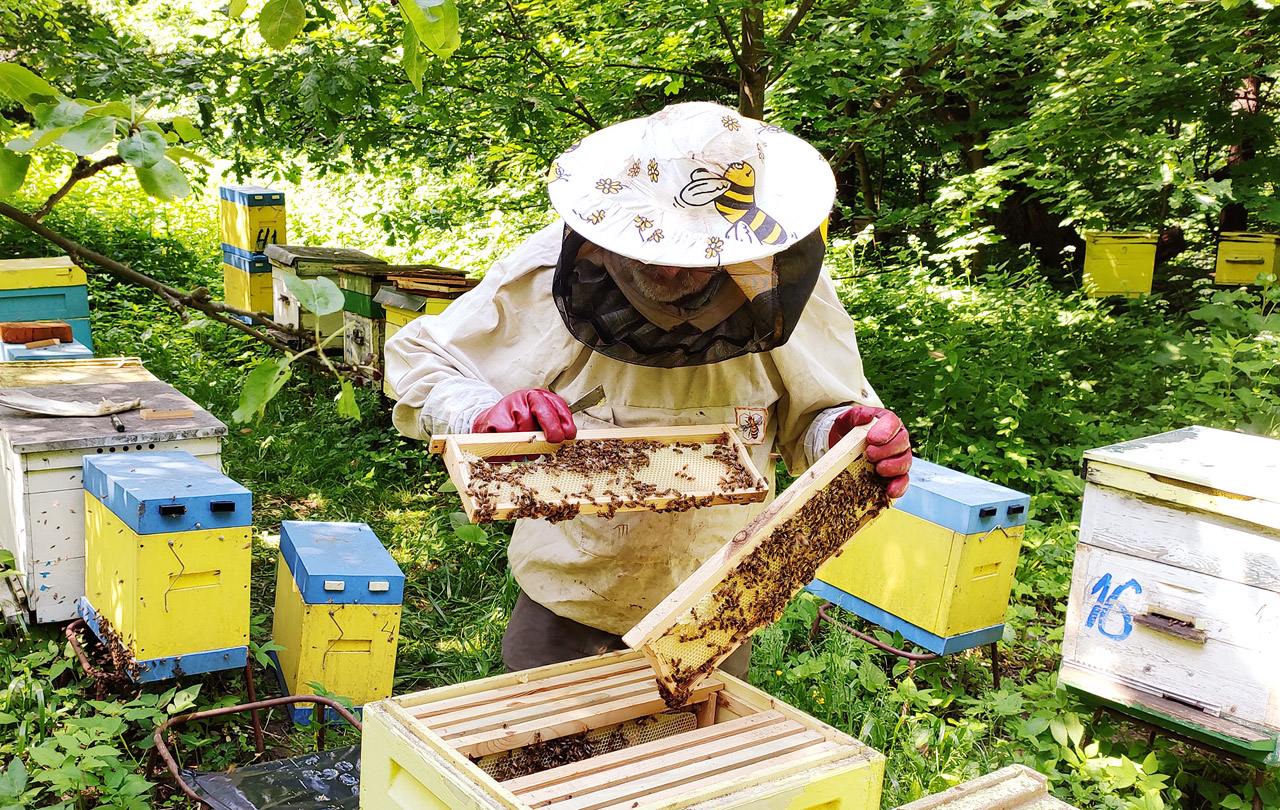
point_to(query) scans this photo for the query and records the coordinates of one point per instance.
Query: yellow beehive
(398, 317)
(247, 291)
(54, 271)
(1119, 263)
(938, 566)
(252, 217)
(730, 746)
(337, 614)
(1242, 257)
(167, 558)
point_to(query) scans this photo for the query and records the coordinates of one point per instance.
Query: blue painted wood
(44, 303)
(245, 261)
(911, 632)
(961, 502)
(81, 331)
(156, 493)
(340, 564)
(252, 196)
(301, 713)
(161, 669)
(75, 350)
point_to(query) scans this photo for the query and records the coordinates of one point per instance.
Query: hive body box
(337, 614)
(246, 281)
(1242, 257)
(52, 289)
(251, 217)
(167, 555)
(362, 315)
(938, 566)
(1174, 608)
(1015, 787)
(1119, 263)
(748, 750)
(42, 503)
(400, 308)
(307, 262)
(72, 350)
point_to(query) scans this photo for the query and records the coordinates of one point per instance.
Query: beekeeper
(685, 277)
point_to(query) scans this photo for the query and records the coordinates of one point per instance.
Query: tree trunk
(865, 184)
(753, 75)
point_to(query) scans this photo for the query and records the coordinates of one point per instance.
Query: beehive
(1015, 787)
(71, 350)
(1175, 595)
(398, 310)
(51, 288)
(1242, 257)
(287, 310)
(746, 585)
(337, 612)
(246, 281)
(362, 316)
(42, 505)
(1119, 263)
(600, 472)
(938, 566)
(745, 749)
(167, 555)
(306, 261)
(251, 217)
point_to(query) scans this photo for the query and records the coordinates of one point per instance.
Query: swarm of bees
(754, 593)
(603, 476)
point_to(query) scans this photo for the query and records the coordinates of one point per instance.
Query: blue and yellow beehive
(167, 556)
(337, 616)
(1119, 263)
(50, 289)
(246, 280)
(252, 217)
(938, 566)
(1242, 257)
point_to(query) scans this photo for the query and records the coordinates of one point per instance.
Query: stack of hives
(250, 217)
(44, 310)
(167, 556)
(337, 614)
(306, 262)
(418, 290)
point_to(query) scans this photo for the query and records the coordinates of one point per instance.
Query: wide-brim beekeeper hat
(694, 185)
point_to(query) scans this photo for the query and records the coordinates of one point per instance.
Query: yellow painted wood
(26, 274)
(249, 291)
(252, 227)
(940, 580)
(1243, 256)
(350, 650)
(1119, 263)
(167, 594)
(404, 764)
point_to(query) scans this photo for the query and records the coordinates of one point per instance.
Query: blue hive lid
(961, 502)
(245, 260)
(68, 350)
(164, 492)
(340, 563)
(252, 196)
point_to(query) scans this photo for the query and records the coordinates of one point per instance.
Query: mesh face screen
(755, 591)
(554, 753)
(613, 475)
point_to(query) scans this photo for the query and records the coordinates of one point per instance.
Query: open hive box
(595, 734)
(662, 469)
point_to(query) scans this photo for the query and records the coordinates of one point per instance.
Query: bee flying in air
(733, 194)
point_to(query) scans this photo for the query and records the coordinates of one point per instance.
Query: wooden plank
(617, 760)
(1213, 545)
(717, 774)
(1015, 787)
(1187, 494)
(573, 722)
(694, 756)
(550, 708)
(483, 697)
(40, 344)
(527, 442)
(151, 415)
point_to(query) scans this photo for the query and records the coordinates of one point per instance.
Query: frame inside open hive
(746, 585)
(595, 734)
(501, 476)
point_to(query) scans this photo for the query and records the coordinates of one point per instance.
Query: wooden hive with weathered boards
(1015, 787)
(1174, 608)
(594, 734)
(501, 476)
(747, 584)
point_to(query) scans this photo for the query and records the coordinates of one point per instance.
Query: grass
(1001, 376)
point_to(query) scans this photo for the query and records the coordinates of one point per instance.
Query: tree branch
(728, 40)
(723, 81)
(80, 171)
(178, 299)
(789, 30)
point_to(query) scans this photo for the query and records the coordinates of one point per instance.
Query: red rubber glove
(888, 445)
(529, 409)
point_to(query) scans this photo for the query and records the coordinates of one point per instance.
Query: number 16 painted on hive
(1107, 602)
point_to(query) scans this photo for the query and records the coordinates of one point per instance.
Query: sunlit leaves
(319, 295)
(163, 180)
(348, 408)
(262, 384)
(280, 21)
(142, 149)
(21, 85)
(436, 24)
(13, 171)
(89, 135)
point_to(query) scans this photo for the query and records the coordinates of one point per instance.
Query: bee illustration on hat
(734, 196)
